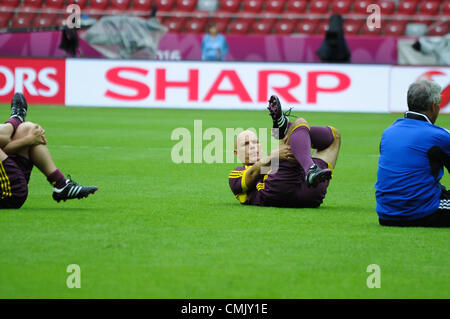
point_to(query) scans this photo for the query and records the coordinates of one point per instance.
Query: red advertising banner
(42, 81)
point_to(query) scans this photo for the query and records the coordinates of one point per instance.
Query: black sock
(282, 125)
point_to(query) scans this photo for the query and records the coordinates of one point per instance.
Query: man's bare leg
(6, 132)
(40, 156)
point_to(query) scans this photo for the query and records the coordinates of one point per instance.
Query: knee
(300, 121)
(24, 128)
(336, 133)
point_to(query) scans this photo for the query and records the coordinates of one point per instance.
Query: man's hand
(284, 153)
(36, 135)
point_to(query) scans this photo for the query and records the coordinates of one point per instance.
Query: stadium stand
(241, 16)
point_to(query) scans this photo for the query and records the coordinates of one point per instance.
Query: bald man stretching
(301, 179)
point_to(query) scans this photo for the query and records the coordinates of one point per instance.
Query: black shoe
(72, 190)
(280, 120)
(317, 175)
(19, 107)
(275, 108)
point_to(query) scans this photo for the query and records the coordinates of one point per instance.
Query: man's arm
(34, 137)
(4, 140)
(283, 153)
(438, 158)
(15, 146)
(252, 174)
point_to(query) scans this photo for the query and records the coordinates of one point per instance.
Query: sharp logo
(445, 94)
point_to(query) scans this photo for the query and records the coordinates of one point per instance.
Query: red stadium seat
(142, 5)
(119, 4)
(408, 7)
(254, 6)
(366, 30)
(318, 6)
(355, 17)
(6, 12)
(422, 18)
(186, 5)
(317, 18)
(221, 26)
(290, 16)
(195, 26)
(28, 13)
(275, 6)
(61, 21)
(98, 4)
(238, 27)
(42, 22)
(306, 27)
(164, 5)
(3, 22)
(360, 6)
(296, 6)
(387, 7)
(174, 25)
(341, 6)
(221, 16)
(395, 28)
(245, 17)
(429, 7)
(95, 13)
(33, 3)
(53, 14)
(178, 16)
(97, 8)
(322, 28)
(446, 7)
(49, 15)
(58, 4)
(262, 27)
(144, 14)
(269, 17)
(10, 3)
(230, 5)
(439, 30)
(21, 22)
(352, 27)
(285, 26)
(201, 16)
(81, 3)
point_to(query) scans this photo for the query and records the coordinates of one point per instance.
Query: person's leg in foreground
(21, 150)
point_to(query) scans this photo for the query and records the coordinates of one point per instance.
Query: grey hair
(422, 94)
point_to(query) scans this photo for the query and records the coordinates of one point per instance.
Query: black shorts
(440, 218)
(15, 174)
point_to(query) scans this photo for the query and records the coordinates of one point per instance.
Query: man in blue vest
(413, 152)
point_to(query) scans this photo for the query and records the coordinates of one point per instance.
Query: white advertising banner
(222, 85)
(402, 76)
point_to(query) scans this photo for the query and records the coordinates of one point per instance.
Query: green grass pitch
(156, 229)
